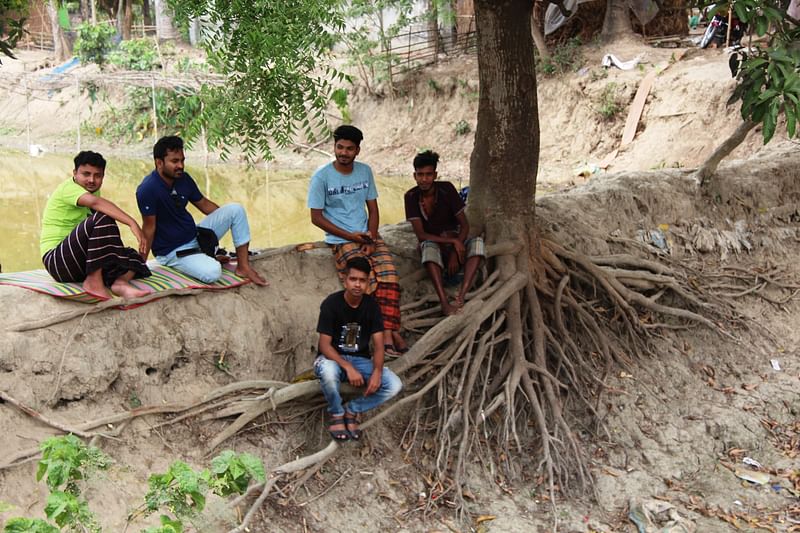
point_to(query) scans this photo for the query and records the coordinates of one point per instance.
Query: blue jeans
(330, 375)
(229, 217)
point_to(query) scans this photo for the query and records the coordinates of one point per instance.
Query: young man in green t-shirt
(80, 240)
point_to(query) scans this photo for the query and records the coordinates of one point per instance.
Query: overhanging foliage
(271, 51)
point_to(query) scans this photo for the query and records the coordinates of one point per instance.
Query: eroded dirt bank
(673, 422)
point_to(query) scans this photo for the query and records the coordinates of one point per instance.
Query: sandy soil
(674, 423)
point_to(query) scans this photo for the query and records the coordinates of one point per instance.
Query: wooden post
(730, 23)
(27, 107)
(155, 115)
(269, 203)
(78, 114)
(408, 52)
(205, 155)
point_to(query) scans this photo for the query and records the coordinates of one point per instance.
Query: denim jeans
(229, 217)
(330, 375)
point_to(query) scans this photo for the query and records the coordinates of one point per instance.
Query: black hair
(170, 143)
(89, 158)
(359, 263)
(348, 133)
(428, 158)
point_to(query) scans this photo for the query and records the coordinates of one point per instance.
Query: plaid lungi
(94, 243)
(383, 280)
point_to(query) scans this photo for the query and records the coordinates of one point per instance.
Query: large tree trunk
(165, 29)
(127, 20)
(433, 28)
(148, 18)
(85, 11)
(617, 22)
(61, 49)
(505, 157)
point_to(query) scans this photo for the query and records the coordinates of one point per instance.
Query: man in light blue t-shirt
(344, 203)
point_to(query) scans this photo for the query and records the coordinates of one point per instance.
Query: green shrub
(462, 127)
(94, 43)
(136, 54)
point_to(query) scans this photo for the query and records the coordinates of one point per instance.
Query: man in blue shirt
(169, 228)
(344, 203)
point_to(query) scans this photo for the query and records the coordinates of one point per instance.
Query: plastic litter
(759, 478)
(775, 365)
(655, 516)
(752, 462)
(612, 60)
(656, 237)
(587, 170)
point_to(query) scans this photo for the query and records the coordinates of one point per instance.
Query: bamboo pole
(78, 114)
(155, 115)
(730, 23)
(27, 108)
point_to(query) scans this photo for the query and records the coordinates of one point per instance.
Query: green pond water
(275, 201)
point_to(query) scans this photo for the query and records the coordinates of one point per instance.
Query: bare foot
(252, 275)
(223, 259)
(399, 342)
(126, 290)
(448, 309)
(459, 301)
(98, 290)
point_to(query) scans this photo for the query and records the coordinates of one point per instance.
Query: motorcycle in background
(717, 30)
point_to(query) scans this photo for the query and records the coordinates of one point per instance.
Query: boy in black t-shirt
(348, 320)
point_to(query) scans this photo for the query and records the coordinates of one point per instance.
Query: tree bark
(433, 28)
(538, 38)
(61, 49)
(148, 18)
(165, 29)
(505, 157)
(710, 165)
(617, 22)
(85, 11)
(127, 20)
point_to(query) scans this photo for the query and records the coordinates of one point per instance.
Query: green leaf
(770, 121)
(769, 94)
(254, 467)
(174, 525)
(741, 11)
(762, 24)
(29, 525)
(791, 120)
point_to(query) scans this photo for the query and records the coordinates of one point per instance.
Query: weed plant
(565, 57)
(609, 105)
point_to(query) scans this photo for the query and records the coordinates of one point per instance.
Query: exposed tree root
(511, 377)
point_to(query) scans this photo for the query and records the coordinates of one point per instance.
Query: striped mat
(163, 279)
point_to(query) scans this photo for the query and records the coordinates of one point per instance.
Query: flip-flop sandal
(351, 419)
(339, 435)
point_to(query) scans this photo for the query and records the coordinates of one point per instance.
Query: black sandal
(352, 419)
(339, 435)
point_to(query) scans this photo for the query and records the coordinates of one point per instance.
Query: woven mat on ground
(163, 279)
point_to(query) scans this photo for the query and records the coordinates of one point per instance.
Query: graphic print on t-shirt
(348, 338)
